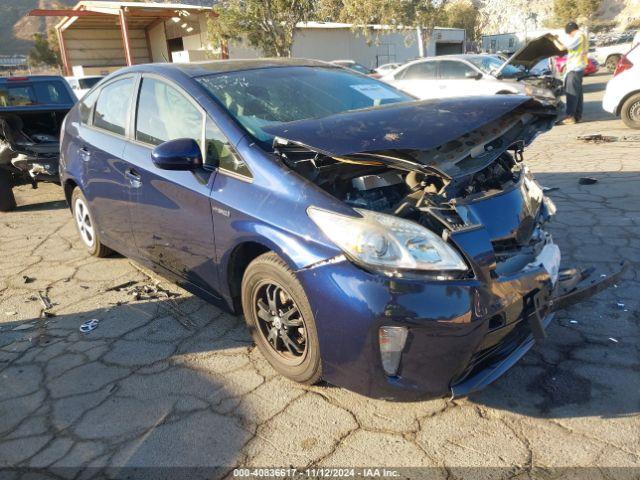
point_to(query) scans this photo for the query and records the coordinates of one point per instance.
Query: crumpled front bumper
(462, 334)
(574, 286)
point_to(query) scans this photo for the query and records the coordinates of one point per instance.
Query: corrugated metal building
(97, 37)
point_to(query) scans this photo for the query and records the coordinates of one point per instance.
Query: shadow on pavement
(41, 207)
(129, 393)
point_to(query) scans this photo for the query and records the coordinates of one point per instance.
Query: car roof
(197, 69)
(30, 78)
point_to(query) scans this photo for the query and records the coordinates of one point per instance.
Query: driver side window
(165, 114)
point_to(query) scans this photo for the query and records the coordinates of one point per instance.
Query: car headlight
(538, 92)
(387, 242)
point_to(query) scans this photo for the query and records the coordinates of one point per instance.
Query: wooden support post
(63, 53)
(125, 37)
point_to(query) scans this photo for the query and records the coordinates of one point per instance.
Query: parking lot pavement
(172, 381)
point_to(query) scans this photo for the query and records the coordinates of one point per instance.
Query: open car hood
(452, 136)
(545, 46)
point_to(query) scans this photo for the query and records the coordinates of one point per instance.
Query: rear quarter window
(112, 107)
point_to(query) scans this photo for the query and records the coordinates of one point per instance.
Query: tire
(268, 276)
(7, 199)
(611, 62)
(87, 228)
(630, 111)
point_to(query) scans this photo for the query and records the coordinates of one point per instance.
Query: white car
(478, 74)
(610, 55)
(387, 68)
(81, 85)
(622, 97)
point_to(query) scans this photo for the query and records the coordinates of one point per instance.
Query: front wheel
(7, 199)
(86, 225)
(630, 111)
(280, 319)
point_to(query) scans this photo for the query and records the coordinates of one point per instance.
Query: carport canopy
(104, 33)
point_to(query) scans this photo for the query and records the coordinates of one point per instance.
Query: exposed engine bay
(448, 186)
(548, 82)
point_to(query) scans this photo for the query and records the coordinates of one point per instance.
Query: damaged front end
(456, 168)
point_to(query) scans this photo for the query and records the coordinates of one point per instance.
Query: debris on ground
(613, 340)
(620, 305)
(549, 189)
(89, 325)
(28, 279)
(150, 292)
(46, 303)
(573, 321)
(599, 138)
(587, 180)
(121, 286)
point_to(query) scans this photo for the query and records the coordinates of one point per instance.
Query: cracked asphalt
(175, 382)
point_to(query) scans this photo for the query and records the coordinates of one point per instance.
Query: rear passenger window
(86, 104)
(165, 114)
(112, 107)
(421, 71)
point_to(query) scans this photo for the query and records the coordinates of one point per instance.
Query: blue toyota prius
(390, 246)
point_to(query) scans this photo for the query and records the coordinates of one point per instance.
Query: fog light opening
(392, 341)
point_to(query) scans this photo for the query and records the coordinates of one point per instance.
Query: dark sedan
(390, 246)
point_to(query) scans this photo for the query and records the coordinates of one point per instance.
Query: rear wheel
(7, 199)
(86, 226)
(611, 62)
(630, 111)
(279, 316)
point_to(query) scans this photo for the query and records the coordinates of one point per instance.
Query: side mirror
(473, 75)
(178, 154)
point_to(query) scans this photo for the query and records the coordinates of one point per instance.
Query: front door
(457, 79)
(170, 210)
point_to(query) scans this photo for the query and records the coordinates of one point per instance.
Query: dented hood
(438, 135)
(420, 125)
(545, 46)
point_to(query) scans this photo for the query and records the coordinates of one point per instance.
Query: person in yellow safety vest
(577, 44)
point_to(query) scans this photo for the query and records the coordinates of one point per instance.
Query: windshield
(35, 93)
(489, 64)
(269, 96)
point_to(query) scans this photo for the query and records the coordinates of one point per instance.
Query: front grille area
(498, 344)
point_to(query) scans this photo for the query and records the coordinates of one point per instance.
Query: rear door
(100, 146)
(419, 79)
(170, 210)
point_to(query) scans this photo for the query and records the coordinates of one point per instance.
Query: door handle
(85, 154)
(134, 177)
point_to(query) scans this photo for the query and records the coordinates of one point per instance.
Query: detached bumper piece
(574, 286)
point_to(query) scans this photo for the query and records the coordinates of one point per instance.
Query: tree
(399, 15)
(462, 14)
(265, 24)
(45, 50)
(576, 10)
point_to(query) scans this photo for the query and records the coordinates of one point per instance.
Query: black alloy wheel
(280, 322)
